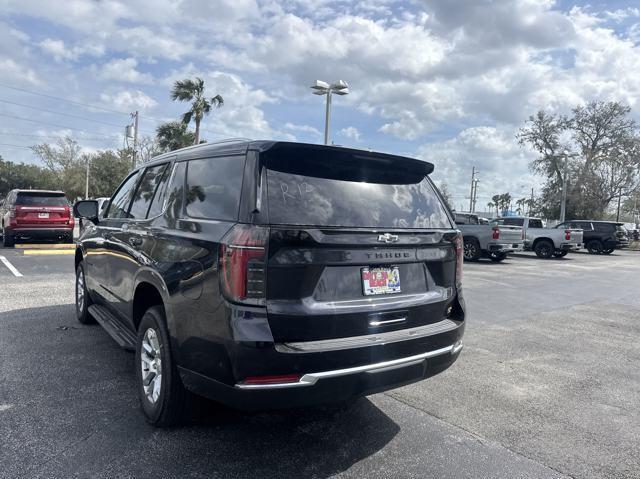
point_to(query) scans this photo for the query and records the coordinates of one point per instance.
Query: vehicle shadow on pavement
(82, 418)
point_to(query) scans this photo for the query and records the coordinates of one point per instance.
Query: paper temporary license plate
(43, 215)
(380, 280)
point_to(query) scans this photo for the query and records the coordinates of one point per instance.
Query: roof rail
(228, 140)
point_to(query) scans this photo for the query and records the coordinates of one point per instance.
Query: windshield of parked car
(41, 199)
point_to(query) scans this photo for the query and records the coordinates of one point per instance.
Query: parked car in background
(484, 240)
(600, 237)
(273, 274)
(632, 231)
(545, 242)
(36, 214)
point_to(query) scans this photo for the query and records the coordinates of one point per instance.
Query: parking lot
(547, 386)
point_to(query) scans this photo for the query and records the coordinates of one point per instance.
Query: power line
(60, 113)
(64, 99)
(47, 123)
(15, 146)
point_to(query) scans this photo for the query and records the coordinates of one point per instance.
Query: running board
(123, 336)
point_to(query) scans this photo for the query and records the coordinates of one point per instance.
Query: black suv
(270, 274)
(600, 237)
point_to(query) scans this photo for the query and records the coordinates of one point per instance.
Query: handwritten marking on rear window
(299, 191)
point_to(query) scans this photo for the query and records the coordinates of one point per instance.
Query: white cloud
(125, 100)
(351, 132)
(124, 70)
(302, 128)
(13, 72)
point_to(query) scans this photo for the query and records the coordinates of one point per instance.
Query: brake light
(282, 378)
(496, 233)
(459, 245)
(567, 235)
(243, 264)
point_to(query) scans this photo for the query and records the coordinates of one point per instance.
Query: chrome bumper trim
(367, 340)
(311, 378)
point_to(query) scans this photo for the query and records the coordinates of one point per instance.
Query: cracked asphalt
(548, 386)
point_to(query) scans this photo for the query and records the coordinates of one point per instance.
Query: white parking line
(11, 267)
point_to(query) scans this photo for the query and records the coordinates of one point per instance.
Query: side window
(147, 187)
(213, 187)
(603, 227)
(175, 193)
(585, 226)
(119, 207)
(161, 193)
(535, 223)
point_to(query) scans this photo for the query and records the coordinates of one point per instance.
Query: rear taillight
(243, 254)
(567, 235)
(496, 234)
(459, 245)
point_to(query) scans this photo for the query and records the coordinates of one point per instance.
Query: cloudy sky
(449, 81)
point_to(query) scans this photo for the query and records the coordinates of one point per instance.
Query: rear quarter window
(214, 186)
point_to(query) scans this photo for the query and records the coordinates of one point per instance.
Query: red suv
(36, 214)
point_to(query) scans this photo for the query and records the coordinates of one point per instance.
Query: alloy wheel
(151, 364)
(470, 250)
(80, 290)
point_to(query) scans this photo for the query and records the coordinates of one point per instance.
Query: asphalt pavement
(546, 387)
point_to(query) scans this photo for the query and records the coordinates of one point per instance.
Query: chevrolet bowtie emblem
(387, 238)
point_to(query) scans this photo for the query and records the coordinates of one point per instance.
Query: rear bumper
(506, 247)
(325, 387)
(30, 232)
(570, 246)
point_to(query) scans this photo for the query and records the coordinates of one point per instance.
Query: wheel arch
(538, 240)
(150, 290)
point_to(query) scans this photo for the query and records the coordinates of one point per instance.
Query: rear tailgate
(42, 210)
(510, 234)
(359, 243)
(316, 282)
(572, 236)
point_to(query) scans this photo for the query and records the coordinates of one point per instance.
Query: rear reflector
(283, 378)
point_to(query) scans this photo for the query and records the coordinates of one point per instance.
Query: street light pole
(563, 205)
(473, 179)
(86, 185)
(323, 88)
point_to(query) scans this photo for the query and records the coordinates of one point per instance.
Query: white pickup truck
(545, 242)
(493, 242)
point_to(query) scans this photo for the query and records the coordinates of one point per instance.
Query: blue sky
(449, 81)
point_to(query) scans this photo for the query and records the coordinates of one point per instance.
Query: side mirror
(87, 209)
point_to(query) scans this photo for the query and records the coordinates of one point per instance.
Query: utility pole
(618, 212)
(134, 115)
(473, 178)
(563, 205)
(86, 185)
(475, 194)
(531, 204)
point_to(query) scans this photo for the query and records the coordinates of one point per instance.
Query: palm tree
(193, 91)
(174, 135)
(490, 205)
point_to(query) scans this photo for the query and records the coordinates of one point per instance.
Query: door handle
(135, 241)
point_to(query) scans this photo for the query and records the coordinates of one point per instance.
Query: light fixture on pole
(323, 88)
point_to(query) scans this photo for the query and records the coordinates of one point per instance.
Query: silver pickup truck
(545, 242)
(484, 240)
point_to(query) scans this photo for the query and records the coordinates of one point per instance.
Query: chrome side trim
(367, 340)
(312, 378)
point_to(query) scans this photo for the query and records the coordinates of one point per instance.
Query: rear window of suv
(41, 199)
(314, 188)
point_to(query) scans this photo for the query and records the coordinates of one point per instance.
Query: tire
(164, 399)
(472, 250)
(594, 247)
(608, 251)
(560, 254)
(83, 301)
(8, 240)
(497, 257)
(544, 249)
